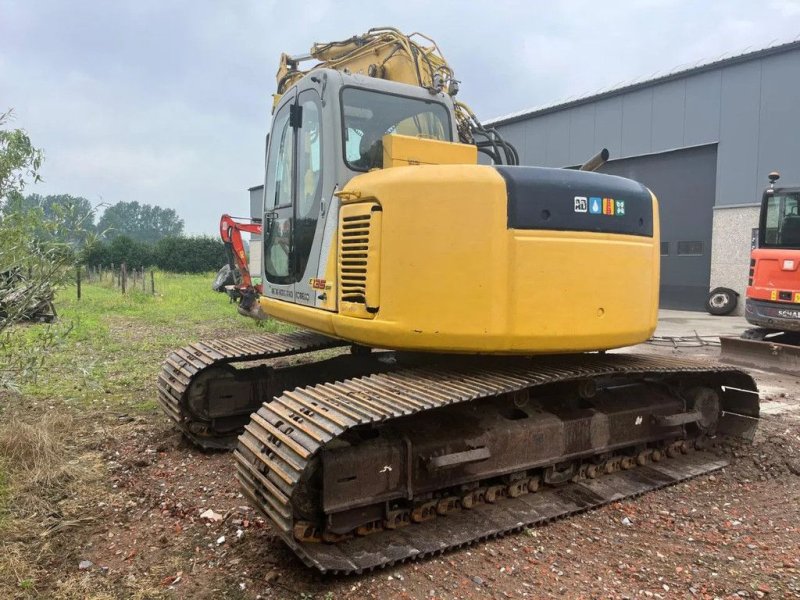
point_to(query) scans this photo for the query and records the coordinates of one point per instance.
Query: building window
(690, 248)
(664, 248)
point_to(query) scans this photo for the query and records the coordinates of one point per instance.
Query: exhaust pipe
(597, 161)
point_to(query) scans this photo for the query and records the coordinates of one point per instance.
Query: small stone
(210, 515)
(627, 521)
(104, 570)
(85, 565)
(220, 540)
(272, 576)
(477, 580)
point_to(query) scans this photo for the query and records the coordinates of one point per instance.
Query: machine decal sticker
(619, 207)
(773, 295)
(608, 206)
(797, 297)
(317, 284)
(581, 204)
(595, 206)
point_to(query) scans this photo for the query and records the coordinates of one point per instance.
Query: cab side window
(277, 247)
(309, 178)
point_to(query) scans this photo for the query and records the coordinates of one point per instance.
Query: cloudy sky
(167, 101)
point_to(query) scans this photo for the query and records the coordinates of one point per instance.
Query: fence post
(78, 281)
(152, 283)
(144, 289)
(124, 272)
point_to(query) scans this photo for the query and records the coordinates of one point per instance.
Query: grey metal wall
(684, 182)
(751, 109)
(256, 198)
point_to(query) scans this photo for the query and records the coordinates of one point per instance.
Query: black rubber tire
(225, 276)
(722, 301)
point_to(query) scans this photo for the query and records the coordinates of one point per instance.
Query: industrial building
(703, 139)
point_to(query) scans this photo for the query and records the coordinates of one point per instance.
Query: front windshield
(781, 221)
(368, 116)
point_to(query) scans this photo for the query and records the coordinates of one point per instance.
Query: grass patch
(52, 471)
(112, 354)
(39, 474)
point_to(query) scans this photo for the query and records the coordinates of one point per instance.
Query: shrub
(198, 254)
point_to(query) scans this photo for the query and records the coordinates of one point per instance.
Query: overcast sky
(167, 102)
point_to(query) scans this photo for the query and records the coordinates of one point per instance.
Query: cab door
(279, 205)
(293, 193)
(306, 227)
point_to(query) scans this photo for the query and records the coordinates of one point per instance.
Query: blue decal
(595, 205)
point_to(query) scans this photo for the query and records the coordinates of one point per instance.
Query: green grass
(113, 351)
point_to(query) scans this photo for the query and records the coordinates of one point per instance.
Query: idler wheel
(705, 401)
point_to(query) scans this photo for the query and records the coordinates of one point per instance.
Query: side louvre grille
(359, 268)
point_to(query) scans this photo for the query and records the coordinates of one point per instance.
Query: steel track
(182, 366)
(286, 434)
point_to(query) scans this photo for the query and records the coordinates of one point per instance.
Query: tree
(140, 222)
(19, 160)
(36, 256)
(76, 213)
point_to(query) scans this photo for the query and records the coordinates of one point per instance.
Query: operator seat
(790, 235)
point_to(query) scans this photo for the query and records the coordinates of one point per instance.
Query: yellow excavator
(477, 298)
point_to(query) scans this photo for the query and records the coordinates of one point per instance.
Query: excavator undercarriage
(363, 460)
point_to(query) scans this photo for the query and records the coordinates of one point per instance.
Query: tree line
(130, 232)
(179, 254)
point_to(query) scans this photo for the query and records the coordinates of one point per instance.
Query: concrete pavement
(683, 323)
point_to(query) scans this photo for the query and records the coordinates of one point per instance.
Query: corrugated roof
(677, 73)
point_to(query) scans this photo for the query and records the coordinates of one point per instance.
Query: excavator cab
(326, 130)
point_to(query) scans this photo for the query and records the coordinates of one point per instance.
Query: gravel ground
(734, 534)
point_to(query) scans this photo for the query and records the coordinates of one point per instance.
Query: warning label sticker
(608, 206)
(581, 204)
(595, 205)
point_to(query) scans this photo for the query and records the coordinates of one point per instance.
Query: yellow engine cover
(514, 260)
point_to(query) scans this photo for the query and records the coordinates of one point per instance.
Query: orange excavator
(234, 278)
(773, 287)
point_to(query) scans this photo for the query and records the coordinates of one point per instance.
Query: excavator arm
(230, 230)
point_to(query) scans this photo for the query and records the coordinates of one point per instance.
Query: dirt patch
(734, 534)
